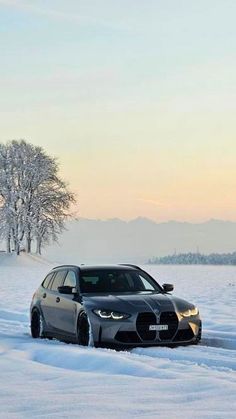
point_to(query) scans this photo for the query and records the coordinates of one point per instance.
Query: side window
(70, 279)
(47, 280)
(146, 284)
(58, 279)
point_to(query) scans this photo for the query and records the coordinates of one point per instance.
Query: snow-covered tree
(52, 204)
(34, 201)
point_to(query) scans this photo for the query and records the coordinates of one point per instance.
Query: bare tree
(11, 197)
(34, 201)
(52, 208)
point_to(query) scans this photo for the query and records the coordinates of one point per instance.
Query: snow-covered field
(51, 379)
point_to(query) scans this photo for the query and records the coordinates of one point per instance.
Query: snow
(42, 378)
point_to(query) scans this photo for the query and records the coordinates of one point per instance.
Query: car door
(67, 306)
(45, 297)
(51, 302)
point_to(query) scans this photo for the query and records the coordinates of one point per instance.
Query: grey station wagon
(111, 306)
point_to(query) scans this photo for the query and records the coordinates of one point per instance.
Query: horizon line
(152, 220)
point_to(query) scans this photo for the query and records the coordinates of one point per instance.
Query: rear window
(47, 280)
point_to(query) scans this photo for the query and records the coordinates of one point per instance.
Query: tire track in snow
(212, 353)
(219, 359)
(218, 339)
(151, 362)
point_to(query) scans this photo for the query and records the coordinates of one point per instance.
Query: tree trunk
(38, 245)
(28, 243)
(9, 244)
(17, 248)
(28, 246)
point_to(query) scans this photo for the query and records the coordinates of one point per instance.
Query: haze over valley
(115, 240)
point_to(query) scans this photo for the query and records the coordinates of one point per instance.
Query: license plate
(158, 327)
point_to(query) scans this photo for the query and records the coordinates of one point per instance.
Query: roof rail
(66, 266)
(131, 265)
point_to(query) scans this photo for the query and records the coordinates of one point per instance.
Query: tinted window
(112, 281)
(47, 280)
(70, 279)
(58, 279)
(146, 284)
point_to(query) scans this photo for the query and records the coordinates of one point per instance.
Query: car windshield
(116, 281)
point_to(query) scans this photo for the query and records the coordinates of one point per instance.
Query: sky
(135, 98)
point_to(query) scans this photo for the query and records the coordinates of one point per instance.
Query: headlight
(191, 312)
(111, 315)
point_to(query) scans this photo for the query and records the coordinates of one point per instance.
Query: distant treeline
(195, 259)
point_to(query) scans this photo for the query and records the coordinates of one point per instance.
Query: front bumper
(135, 330)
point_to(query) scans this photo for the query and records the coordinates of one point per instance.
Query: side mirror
(66, 289)
(168, 287)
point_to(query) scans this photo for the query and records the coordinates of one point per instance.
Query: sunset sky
(136, 98)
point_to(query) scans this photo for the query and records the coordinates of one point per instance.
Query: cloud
(152, 202)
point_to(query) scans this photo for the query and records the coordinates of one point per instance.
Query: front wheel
(83, 329)
(36, 325)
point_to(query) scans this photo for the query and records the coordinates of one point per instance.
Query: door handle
(44, 295)
(58, 299)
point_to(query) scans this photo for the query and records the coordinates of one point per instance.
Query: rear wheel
(83, 329)
(36, 325)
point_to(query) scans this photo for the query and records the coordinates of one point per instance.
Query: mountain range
(115, 240)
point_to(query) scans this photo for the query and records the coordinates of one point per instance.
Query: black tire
(36, 325)
(83, 329)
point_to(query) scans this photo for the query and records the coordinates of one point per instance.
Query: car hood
(131, 303)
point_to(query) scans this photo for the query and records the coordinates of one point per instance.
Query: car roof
(99, 267)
